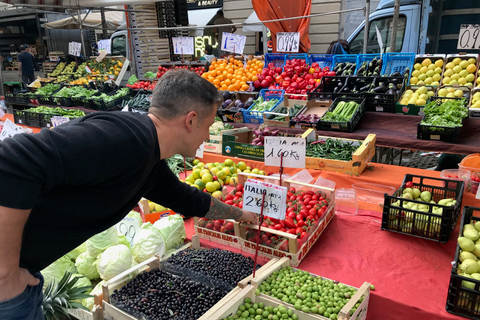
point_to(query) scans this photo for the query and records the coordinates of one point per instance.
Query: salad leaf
(47, 90)
(150, 75)
(449, 114)
(132, 79)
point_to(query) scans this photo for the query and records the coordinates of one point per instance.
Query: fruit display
(460, 71)
(223, 226)
(81, 71)
(449, 114)
(62, 78)
(258, 311)
(263, 105)
(58, 69)
(105, 69)
(237, 104)
(331, 149)
(475, 100)
(79, 81)
(419, 97)
(469, 265)
(372, 68)
(155, 207)
(427, 72)
(348, 69)
(342, 112)
(69, 113)
(453, 92)
(231, 74)
(145, 85)
(474, 182)
(260, 134)
(69, 68)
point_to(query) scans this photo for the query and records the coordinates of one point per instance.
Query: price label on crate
(293, 150)
(100, 57)
(128, 227)
(469, 36)
(274, 205)
(288, 41)
(199, 153)
(74, 48)
(9, 130)
(57, 120)
(233, 42)
(183, 45)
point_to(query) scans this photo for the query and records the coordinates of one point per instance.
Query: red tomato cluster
(475, 178)
(217, 225)
(145, 85)
(197, 70)
(235, 198)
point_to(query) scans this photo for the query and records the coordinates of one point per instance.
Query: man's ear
(191, 120)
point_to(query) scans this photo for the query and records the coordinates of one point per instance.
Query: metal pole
(265, 39)
(1, 77)
(367, 26)
(104, 24)
(396, 12)
(39, 28)
(80, 23)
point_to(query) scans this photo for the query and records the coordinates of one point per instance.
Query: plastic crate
(382, 102)
(338, 58)
(325, 90)
(19, 117)
(343, 126)
(278, 59)
(426, 225)
(99, 104)
(397, 62)
(361, 58)
(22, 98)
(78, 101)
(463, 301)
(323, 60)
(257, 116)
(303, 56)
(353, 85)
(62, 101)
(9, 97)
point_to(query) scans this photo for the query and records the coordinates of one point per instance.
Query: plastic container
(472, 164)
(301, 176)
(323, 60)
(372, 192)
(339, 58)
(346, 201)
(326, 89)
(361, 58)
(397, 62)
(250, 116)
(382, 102)
(278, 59)
(455, 174)
(348, 126)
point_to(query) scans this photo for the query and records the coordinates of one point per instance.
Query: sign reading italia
(203, 4)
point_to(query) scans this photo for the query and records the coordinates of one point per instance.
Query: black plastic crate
(343, 126)
(463, 301)
(383, 102)
(39, 120)
(78, 101)
(328, 88)
(426, 225)
(9, 97)
(62, 101)
(445, 134)
(22, 98)
(19, 117)
(355, 87)
(101, 105)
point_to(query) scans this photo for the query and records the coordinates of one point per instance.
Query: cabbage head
(172, 229)
(87, 266)
(77, 251)
(147, 242)
(101, 241)
(56, 270)
(113, 261)
(89, 302)
(136, 215)
(82, 281)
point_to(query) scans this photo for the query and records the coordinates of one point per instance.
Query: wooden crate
(95, 314)
(214, 144)
(288, 103)
(231, 240)
(344, 314)
(360, 157)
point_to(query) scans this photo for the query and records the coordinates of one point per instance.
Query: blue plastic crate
(303, 56)
(397, 62)
(257, 116)
(361, 58)
(338, 58)
(323, 60)
(278, 59)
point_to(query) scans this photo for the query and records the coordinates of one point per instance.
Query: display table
(10, 117)
(400, 131)
(411, 275)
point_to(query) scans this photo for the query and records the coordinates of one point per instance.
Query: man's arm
(220, 210)
(13, 279)
(19, 68)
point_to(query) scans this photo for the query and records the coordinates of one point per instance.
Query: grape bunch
(160, 295)
(223, 265)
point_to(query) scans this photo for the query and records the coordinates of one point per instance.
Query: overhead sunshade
(256, 27)
(81, 3)
(200, 18)
(94, 20)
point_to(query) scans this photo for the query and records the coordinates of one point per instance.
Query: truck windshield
(384, 25)
(119, 46)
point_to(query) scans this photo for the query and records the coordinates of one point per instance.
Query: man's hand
(248, 216)
(16, 283)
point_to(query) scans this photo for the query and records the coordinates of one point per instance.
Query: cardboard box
(360, 157)
(462, 56)
(473, 112)
(433, 57)
(288, 103)
(214, 144)
(313, 106)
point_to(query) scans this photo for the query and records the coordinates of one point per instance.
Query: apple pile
(197, 70)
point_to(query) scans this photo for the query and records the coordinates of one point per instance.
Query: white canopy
(200, 18)
(94, 20)
(81, 3)
(256, 27)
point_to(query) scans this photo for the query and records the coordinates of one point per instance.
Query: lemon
(420, 102)
(255, 171)
(409, 92)
(448, 73)
(428, 81)
(450, 65)
(430, 73)
(424, 97)
(207, 177)
(438, 70)
(203, 172)
(426, 62)
(439, 63)
(436, 77)
(246, 171)
(196, 174)
(415, 73)
(241, 165)
(421, 90)
(217, 184)
(470, 77)
(471, 68)
(452, 82)
(412, 101)
(217, 194)
(200, 165)
(417, 66)
(432, 67)
(404, 101)
(431, 93)
(463, 64)
(221, 174)
(211, 187)
(214, 171)
(413, 80)
(195, 162)
(458, 93)
(263, 173)
(228, 162)
(423, 70)
(477, 95)
(463, 73)
(476, 105)
(190, 178)
(462, 81)
(151, 206)
(451, 95)
(226, 170)
(456, 76)
(421, 83)
(210, 165)
(456, 61)
(442, 92)
(422, 77)
(199, 183)
(457, 69)
(478, 80)
(446, 80)
(472, 61)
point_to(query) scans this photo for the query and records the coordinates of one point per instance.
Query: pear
(476, 276)
(396, 203)
(466, 244)
(407, 227)
(426, 196)
(423, 207)
(407, 196)
(467, 284)
(414, 207)
(464, 255)
(431, 201)
(468, 226)
(469, 266)
(445, 202)
(416, 193)
(477, 225)
(471, 234)
(408, 190)
(476, 250)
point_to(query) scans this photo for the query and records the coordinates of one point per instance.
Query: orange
(227, 82)
(254, 60)
(216, 82)
(237, 86)
(229, 76)
(224, 87)
(211, 68)
(254, 78)
(220, 77)
(231, 88)
(244, 79)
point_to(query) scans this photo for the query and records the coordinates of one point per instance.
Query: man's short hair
(209, 49)
(180, 91)
(21, 48)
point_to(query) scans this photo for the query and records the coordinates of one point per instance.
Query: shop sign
(204, 4)
(201, 42)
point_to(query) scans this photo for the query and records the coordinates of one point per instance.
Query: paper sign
(101, 56)
(275, 198)
(183, 45)
(57, 120)
(2, 113)
(468, 36)
(104, 45)
(293, 150)
(128, 227)
(477, 196)
(199, 153)
(379, 39)
(126, 63)
(74, 48)
(9, 130)
(288, 41)
(88, 69)
(233, 42)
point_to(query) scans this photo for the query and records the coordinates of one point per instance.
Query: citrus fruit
(211, 187)
(195, 162)
(190, 178)
(204, 171)
(196, 174)
(255, 171)
(439, 63)
(241, 165)
(228, 162)
(221, 174)
(217, 194)
(199, 183)
(207, 177)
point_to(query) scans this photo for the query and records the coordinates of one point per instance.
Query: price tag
(9, 130)
(88, 69)
(293, 150)
(74, 48)
(468, 37)
(57, 120)
(126, 63)
(128, 227)
(183, 45)
(101, 56)
(104, 45)
(434, 137)
(233, 42)
(380, 109)
(275, 198)
(199, 153)
(288, 41)
(477, 196)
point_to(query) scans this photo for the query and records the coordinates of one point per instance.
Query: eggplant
(227, 95)
(396, 74)
(365, 88)
(346, 89)
(380, 89)
(336, 89)
(340, 84)
(390, 92)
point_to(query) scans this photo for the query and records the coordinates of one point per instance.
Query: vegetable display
(110, 97)
(114, 260)
(260, 134)
(57, 70)
(290, 112)
(469, 265)
(218, 126)
(176, 164)
(141, 101)
(148, 242)
(345, 69)
(69, 113)
(250, 310)
(343, 112)
(372, 68)
(67, 92)
(47, 90)
(449, 114)
(69, 68)
(172, 229)
(261, 105)
(331, 149)
(312, 118)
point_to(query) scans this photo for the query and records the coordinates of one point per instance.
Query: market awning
(94, 20)
(256, 26)
(82, 3)
(200, 18)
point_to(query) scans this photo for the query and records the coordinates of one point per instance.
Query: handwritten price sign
(199, 153)
(233, 42)
(183, 45)
(74, 48)
(288, 41)
(274, 205)
(292, 149)
(57, 120)
(128, 227)
(9, 130)
(468, 37)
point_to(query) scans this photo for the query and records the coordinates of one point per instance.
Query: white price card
(74, 48)
(379, 39)
(292, 149)
(104, 45)
(9, 130)
(128, 227)
(57, 120)
(288, 41)
(183, 45)
(274, 205)
(199, 153)
(233, 42)
(468, 37)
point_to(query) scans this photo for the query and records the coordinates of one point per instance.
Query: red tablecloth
(10, 117)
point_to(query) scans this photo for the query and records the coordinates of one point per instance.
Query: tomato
(292, 198)
(273, 238)
(291, 215)
(310, 192)
(264, 237)
(303, 235)
(278, 226)
(308, 207)
(312, 212)
(313, 202)
(265, 225)
(315, 197)
(229, 226)
(229, 197)
(299, 198)
(240, 204)
(289, 194)
(284, 246)
(289, 223)
(222, 229)
(229, 202)
(292, 231)
(303, 212)
(236, 198)
(298, 230)
(310, 217)
(409, 184)
(239, 187)
(300, 223)
(209, 226)
(299, 217)
(282, 222)
(290, 209)
(268, 243)
(239, 193)
(307, 199)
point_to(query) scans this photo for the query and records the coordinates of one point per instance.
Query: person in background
(26, 63)
(218, 31)
(208, 53)
(339, 46)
